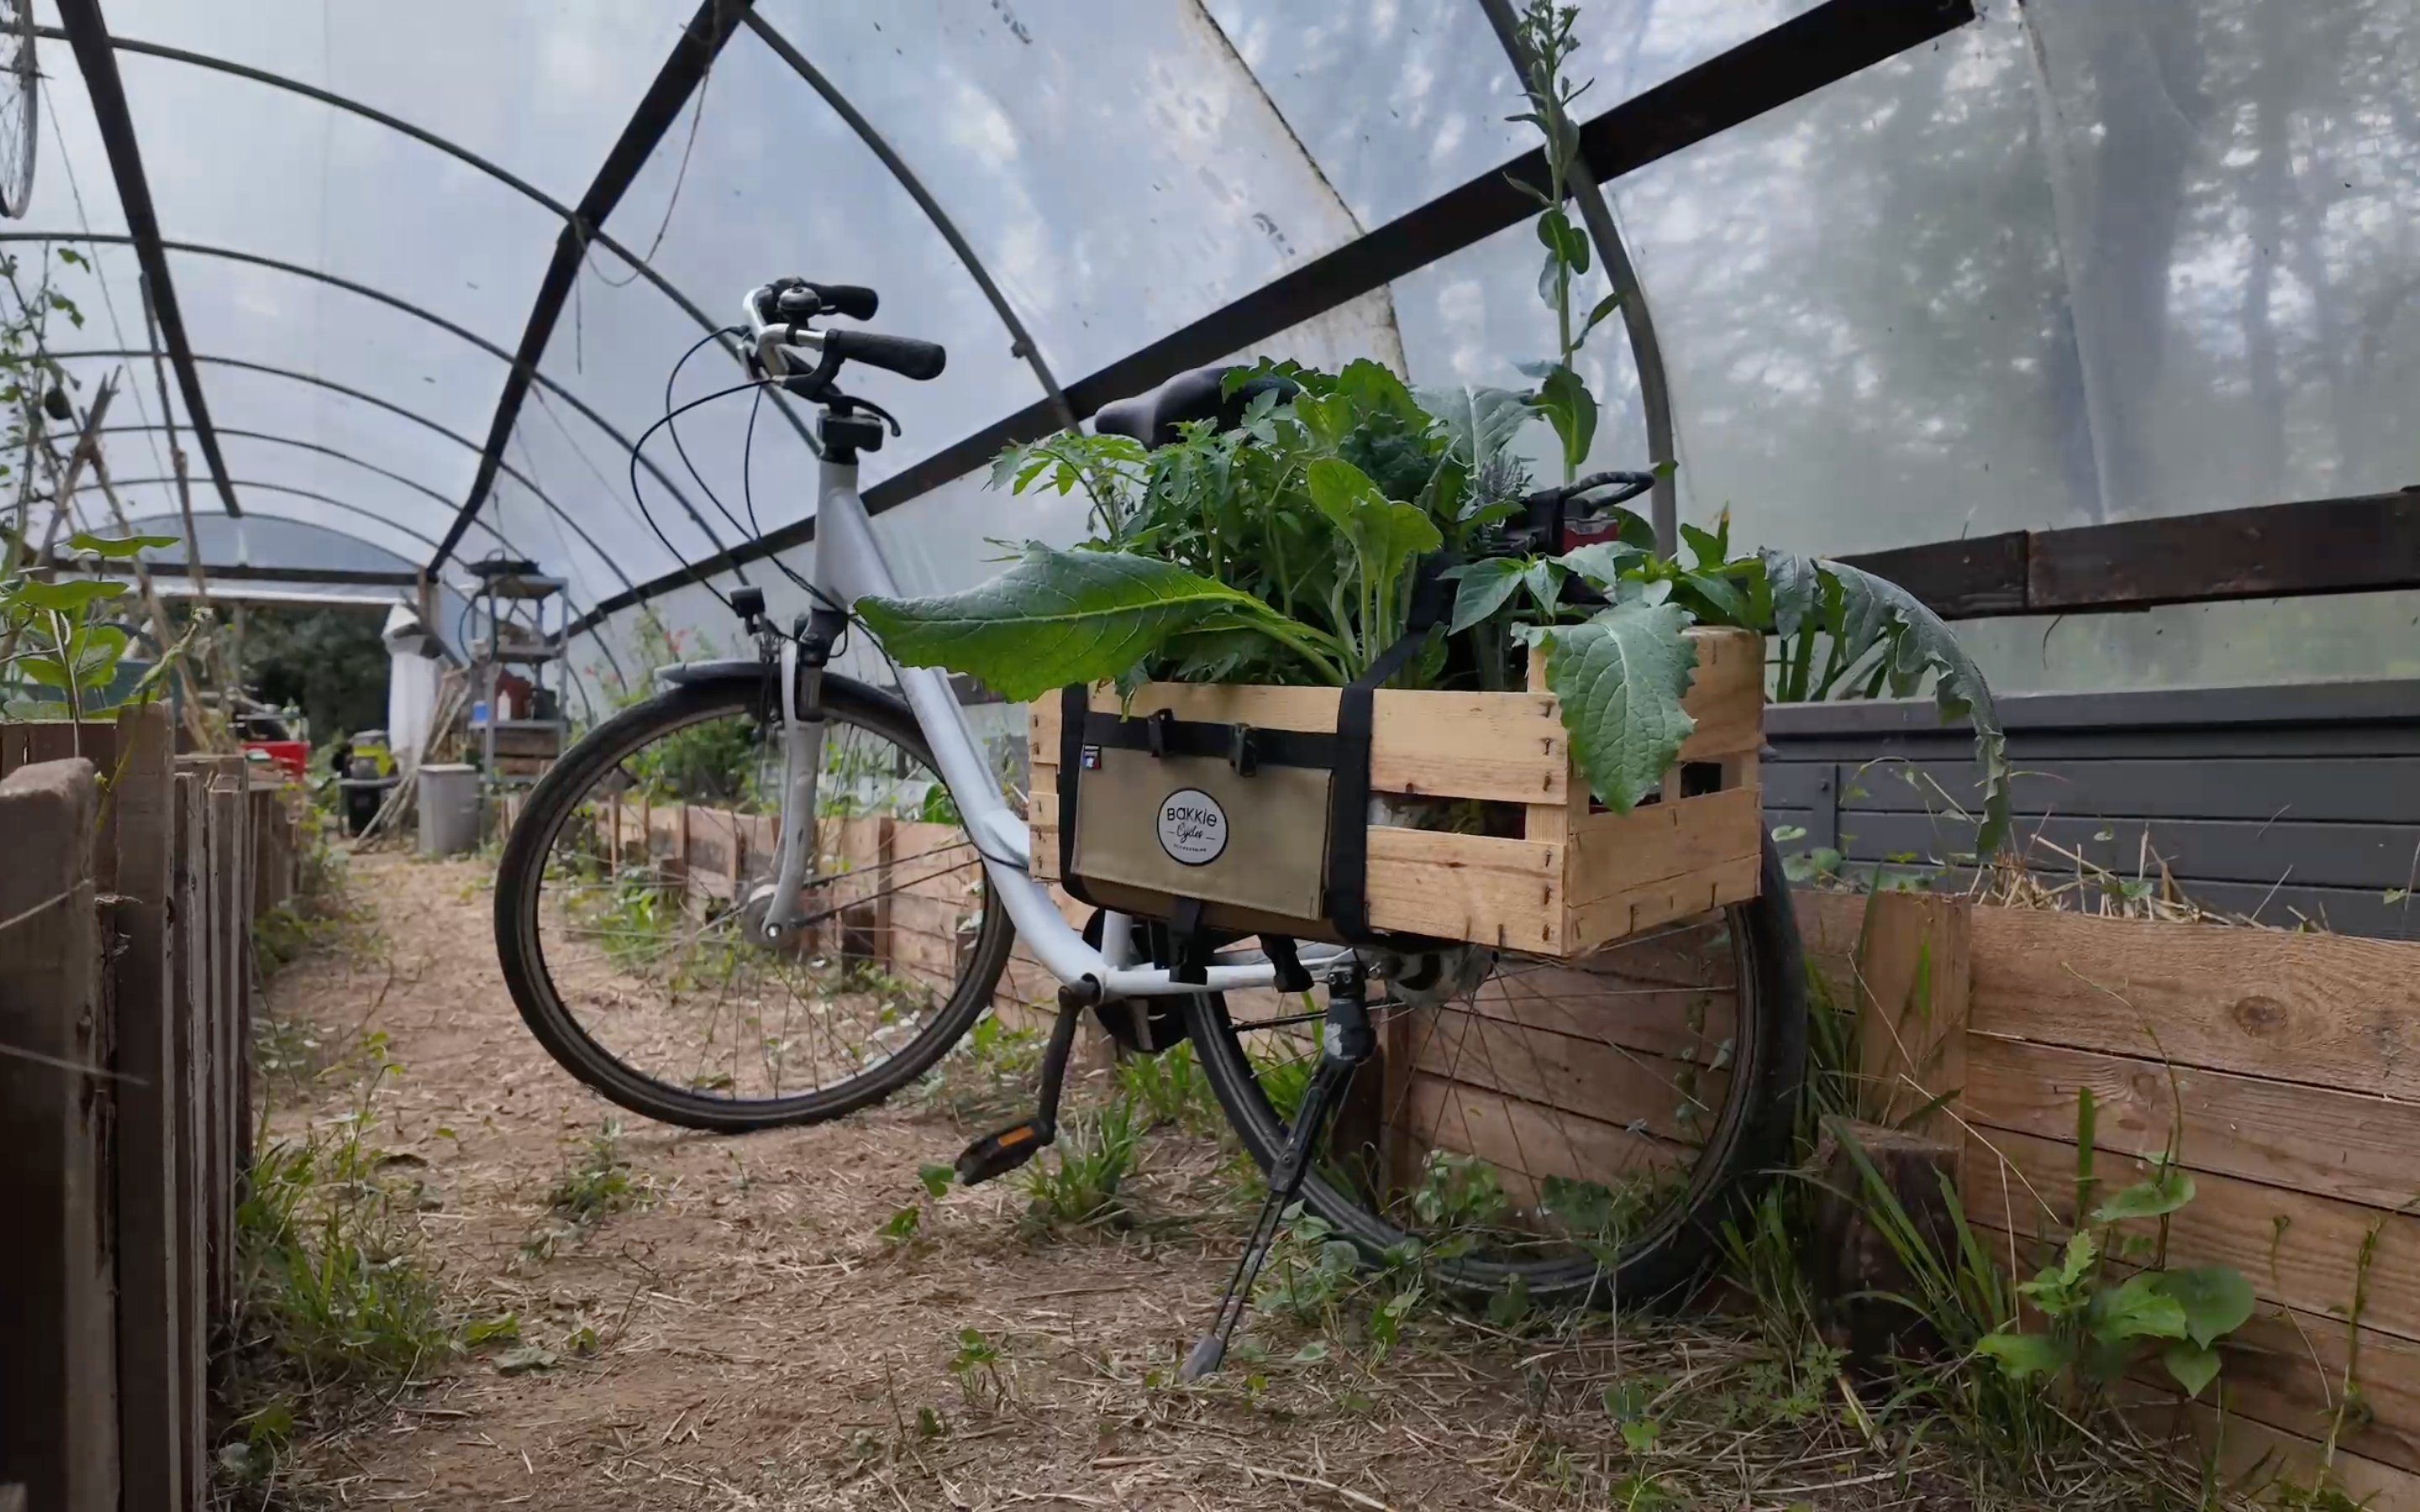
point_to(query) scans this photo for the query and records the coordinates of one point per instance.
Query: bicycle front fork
(803, 657)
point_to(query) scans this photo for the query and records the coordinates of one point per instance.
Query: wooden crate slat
(1652, 903)
(2310, 1139)
(2309, 1265)
(1505, 893)
(2327, 1009)
(1617, 852)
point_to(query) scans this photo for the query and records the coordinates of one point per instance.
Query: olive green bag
(1195, 823)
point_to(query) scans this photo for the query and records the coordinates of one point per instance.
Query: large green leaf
(66, 597)
(1479, 423)
(1385, 537)
(2023, 1355)
(1873, 609)
(1620, 677)
(2216, 1300)
(1564, 399)
(2194, 1365)
(1797, 590)
(1054, 618)
(131, 546)
(2165, 1191)
(1485, 585)
(2139, 1309)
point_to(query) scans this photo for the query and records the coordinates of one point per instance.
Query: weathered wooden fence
(130, 880)
(2286, 1066)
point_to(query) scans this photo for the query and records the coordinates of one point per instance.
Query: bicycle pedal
(1001, 1152)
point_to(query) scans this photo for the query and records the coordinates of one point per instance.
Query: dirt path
(759, 1342)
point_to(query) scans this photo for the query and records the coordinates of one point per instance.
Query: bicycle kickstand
(1003, 1150)
(1346, 1041)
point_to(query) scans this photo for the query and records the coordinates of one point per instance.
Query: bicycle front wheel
(627, 887)
(1575, 1130)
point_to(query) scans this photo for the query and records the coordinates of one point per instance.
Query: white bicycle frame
(849, 565)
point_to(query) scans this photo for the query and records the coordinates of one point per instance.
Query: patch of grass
(333, 1295)
(598, 1181)
(989, 1074)
(1170, 1091)
(1075, 1183)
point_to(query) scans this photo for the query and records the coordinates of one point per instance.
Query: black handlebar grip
(854, 301)
(902, 355)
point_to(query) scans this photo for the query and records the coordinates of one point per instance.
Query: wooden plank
(2296, 1248)
(1654, 903)
(230, 846)
(2324, 546)
(2287, 1369)
(1517, 1136)
(189, 997)
(150, 1324)
(1589, 1001)
(1973, 578)
(1910, 990)
(1506, 892)
(58, 1403)
(2258, 1460)
(2311, 1139)
(1576, 1078)
(2325, 1010)
(1617, 852)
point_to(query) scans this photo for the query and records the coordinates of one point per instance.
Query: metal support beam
(88, 35)
(354, 576)
(459, 154)
(691, 57)
(383, 517)
(1820, 46)
(414, 484)
(1646, 352)
(198, 249)
(1025, 344)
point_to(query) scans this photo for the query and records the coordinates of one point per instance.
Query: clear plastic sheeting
(2075, 262)
(1862, 307)
(1113, 162)
(2234, 188)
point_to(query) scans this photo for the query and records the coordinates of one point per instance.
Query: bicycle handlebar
(777, 316)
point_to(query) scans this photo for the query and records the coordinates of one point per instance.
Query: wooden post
(1913, 967)
(231, 959)
(58, 1388)
(149, 1325)
(189, 967)
(886, 850)
(202, 939)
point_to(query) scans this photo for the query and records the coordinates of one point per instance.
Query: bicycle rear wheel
(1578, 1128)
(627, 887)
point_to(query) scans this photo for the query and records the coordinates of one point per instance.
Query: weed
(1076, 1183)
(1170, 1090)
(990, 1072)
(976, 1366)
(904, 1223)
(598, 1182)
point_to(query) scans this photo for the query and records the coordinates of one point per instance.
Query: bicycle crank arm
(1003, 1150)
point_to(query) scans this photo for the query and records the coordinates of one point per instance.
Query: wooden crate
(1578, 876)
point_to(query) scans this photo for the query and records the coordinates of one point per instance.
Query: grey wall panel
(2294, 806)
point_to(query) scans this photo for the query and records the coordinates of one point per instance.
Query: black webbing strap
(1315, 748)
(1074, 710)
(1348, 801)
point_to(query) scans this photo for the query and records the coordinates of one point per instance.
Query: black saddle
(1152, 418)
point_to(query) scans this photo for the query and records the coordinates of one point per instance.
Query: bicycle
(831, 968)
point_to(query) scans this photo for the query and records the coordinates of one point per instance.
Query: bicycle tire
(1751, 1136)
(519, 882)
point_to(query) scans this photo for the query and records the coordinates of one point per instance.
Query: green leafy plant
(1076, 1183)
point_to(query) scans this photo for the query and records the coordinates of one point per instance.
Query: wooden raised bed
(1578, 876)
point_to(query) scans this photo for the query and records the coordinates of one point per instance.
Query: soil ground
(760, 1342)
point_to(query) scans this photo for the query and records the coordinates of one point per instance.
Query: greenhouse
(1792, 610)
